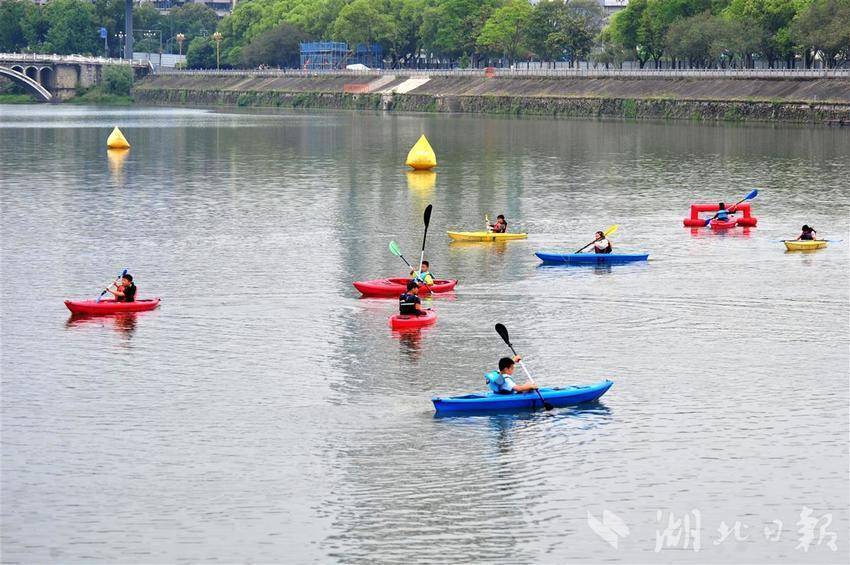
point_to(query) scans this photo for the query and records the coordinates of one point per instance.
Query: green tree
(559, 29)
(505, 30)
(366, 21)
(823, 29)
(277, 47)
(450, 28)
(608, 52)
(768, 22)
(191, 20)
(548, 30)
(200, 54)
(13, 15)
(586, 20)
(695, 39)
(72, 28)
(118, 79)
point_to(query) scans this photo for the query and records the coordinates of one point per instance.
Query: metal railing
(44, 58)
(514, 73)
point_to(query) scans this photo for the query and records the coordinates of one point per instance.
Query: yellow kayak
(484, 236)
(804, 245)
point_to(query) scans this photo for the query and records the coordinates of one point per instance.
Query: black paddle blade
(427, 216)
(503, 332)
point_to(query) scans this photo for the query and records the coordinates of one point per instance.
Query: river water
(266, 413)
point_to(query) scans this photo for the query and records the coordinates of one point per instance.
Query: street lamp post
(120, 36)
(217, 38)
(149, 33)
(180, 39)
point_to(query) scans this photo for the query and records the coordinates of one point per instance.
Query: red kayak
(403, 322)
(723, 225)
(395, 287)
(110, 306)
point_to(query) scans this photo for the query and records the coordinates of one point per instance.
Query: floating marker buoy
(116, 140)
(421, 156)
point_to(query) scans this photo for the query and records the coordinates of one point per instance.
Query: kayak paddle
(124, 272)
(503, 333)
(427, 219)
(607, 232)
(753, 193)
(396, 250)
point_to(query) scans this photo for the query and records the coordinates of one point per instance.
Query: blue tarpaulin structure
(328, 55)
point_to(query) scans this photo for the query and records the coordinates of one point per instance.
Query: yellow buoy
(116, 140)
(421, 156)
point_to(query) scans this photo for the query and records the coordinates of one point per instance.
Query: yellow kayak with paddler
(804, 244)
(484, 236)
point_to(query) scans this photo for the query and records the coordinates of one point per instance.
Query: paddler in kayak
(501, 225)
(722, 214)
(409, 303)
(424, 274)
(126, 291)
(809, 234)
(502, 382)
(601, 243)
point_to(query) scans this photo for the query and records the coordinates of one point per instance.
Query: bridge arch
(29, 83)
(18, 69)
(32, 72)
(45, 77)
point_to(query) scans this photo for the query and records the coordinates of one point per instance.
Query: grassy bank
(17, 99)
(99, 96)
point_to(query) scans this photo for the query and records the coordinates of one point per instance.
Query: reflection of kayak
(110, 306)
(716, 224)
(484, 236)
(395, 287)
(804, 245)
(488, 401)
(402, 321)
(590, 258)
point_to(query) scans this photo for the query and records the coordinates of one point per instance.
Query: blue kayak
(488, 401)
(590, 258)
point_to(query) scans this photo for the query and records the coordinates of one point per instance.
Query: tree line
(464, 33)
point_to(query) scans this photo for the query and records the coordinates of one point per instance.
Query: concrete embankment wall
(790, 99)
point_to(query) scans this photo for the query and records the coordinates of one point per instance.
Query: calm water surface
(266, 413)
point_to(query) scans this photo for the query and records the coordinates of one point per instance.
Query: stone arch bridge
(53, 78)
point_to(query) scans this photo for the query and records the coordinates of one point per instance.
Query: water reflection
(124, 324)
(698, 233)
(115, 159)
(410, 341)
(421, 181)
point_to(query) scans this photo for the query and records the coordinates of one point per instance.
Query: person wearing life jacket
(502, 382)
(602, 245)
(809, 234)
(126, 291)
(409, 303)
(424, 273)
(722, 213)
(501, 225)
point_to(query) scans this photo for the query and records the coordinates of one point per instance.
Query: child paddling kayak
(501, 225)
(502, 382)
(409, 303)
(602, 244)
(126, 291)
(424, 273)
(809, 234)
